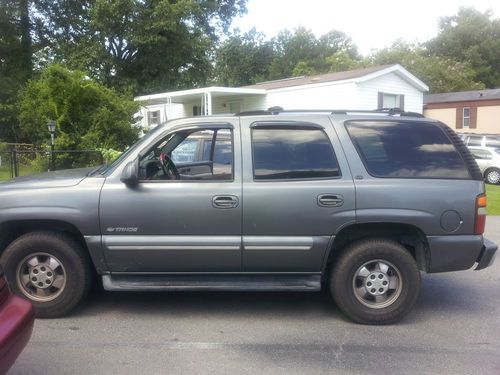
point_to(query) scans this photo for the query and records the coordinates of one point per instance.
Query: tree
(471, 37)
(141, 46)
(302, 53)
(15, 62)
(442, 74)
(88, 115)
(243, 59)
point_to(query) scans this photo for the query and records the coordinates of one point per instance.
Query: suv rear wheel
(375, 281)
(49, 269)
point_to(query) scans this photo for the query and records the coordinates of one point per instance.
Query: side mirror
(130, 174)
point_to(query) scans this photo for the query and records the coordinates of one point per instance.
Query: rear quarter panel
(424, 203)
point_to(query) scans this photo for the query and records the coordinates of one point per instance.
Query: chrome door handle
(330, 200)
(225, 201)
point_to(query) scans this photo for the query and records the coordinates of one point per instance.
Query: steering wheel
(169, 167)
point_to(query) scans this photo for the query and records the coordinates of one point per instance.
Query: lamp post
(51, 126)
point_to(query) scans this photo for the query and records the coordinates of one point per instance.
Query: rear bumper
(487, 255)
(456, 253)
(16, 325)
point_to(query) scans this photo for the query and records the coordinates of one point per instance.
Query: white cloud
(371, 24)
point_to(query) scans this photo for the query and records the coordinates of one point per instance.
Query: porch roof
(185, 96)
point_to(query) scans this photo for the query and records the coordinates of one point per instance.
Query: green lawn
(493, 195)
(23, 171)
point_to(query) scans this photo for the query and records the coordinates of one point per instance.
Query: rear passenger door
(297, 193)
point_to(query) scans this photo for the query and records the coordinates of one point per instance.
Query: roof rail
(277, 110)
(253, 113)
(388, 111)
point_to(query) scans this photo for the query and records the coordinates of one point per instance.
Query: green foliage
(13, 71)
(141, 46)
(88, 115)
(109, 154)
(442, 74)
(243, 59)
(248, 58)
(301, 52)
(41, 163)
(342, 61)
(473, 38)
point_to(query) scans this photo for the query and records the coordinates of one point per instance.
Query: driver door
(190, 224)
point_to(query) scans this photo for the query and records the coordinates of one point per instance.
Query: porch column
(169, 106)
(207, 103)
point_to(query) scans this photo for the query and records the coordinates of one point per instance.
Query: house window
(466, 117)
(153, 118)
(386, 100)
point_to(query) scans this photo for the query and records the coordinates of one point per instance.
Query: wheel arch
(410, 236)
(11, 230)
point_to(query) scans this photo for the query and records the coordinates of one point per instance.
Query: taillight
(480, 214)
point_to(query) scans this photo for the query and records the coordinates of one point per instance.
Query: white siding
(254, 102)
(366, 96)
(177, 111)
(330, 96)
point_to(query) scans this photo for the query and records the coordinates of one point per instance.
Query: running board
(253, 283)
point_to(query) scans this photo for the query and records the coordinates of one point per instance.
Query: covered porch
(157, 108)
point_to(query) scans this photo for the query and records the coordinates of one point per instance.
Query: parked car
(357, 202)
(481, 140)
(488, 160)
(16, 325)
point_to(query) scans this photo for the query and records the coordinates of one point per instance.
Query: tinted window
(474, 141)
(492, 142)
(288, 153)
(406, 150)
(478, 154)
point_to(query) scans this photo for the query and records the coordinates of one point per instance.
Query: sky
(372, 24)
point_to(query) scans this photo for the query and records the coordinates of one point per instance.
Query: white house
(387, 86)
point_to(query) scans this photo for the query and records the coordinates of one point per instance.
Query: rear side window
(292, 153)
(406, 150)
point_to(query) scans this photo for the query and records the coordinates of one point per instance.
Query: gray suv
(356, 202)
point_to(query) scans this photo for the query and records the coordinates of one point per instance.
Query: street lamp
(51, 126)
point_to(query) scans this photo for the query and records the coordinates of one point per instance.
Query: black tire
(492, 176)
(74, 266)
(343, 282)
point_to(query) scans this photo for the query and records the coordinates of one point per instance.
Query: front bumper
(487, 255)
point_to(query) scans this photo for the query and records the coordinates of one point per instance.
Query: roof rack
(388, 111)
(277, 110)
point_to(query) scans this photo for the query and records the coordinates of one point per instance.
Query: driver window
(190, 155)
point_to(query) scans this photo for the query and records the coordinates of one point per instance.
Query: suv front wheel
(49, 269)
(375, 281)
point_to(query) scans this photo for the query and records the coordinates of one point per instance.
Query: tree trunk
(25, 29)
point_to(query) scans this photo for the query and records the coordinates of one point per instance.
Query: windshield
(129, 150)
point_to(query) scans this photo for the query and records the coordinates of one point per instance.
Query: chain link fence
(16, 163)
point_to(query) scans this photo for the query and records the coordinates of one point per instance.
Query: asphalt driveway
(455, 328)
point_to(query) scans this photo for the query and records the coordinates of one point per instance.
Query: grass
(493, 194)
(23, 171)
